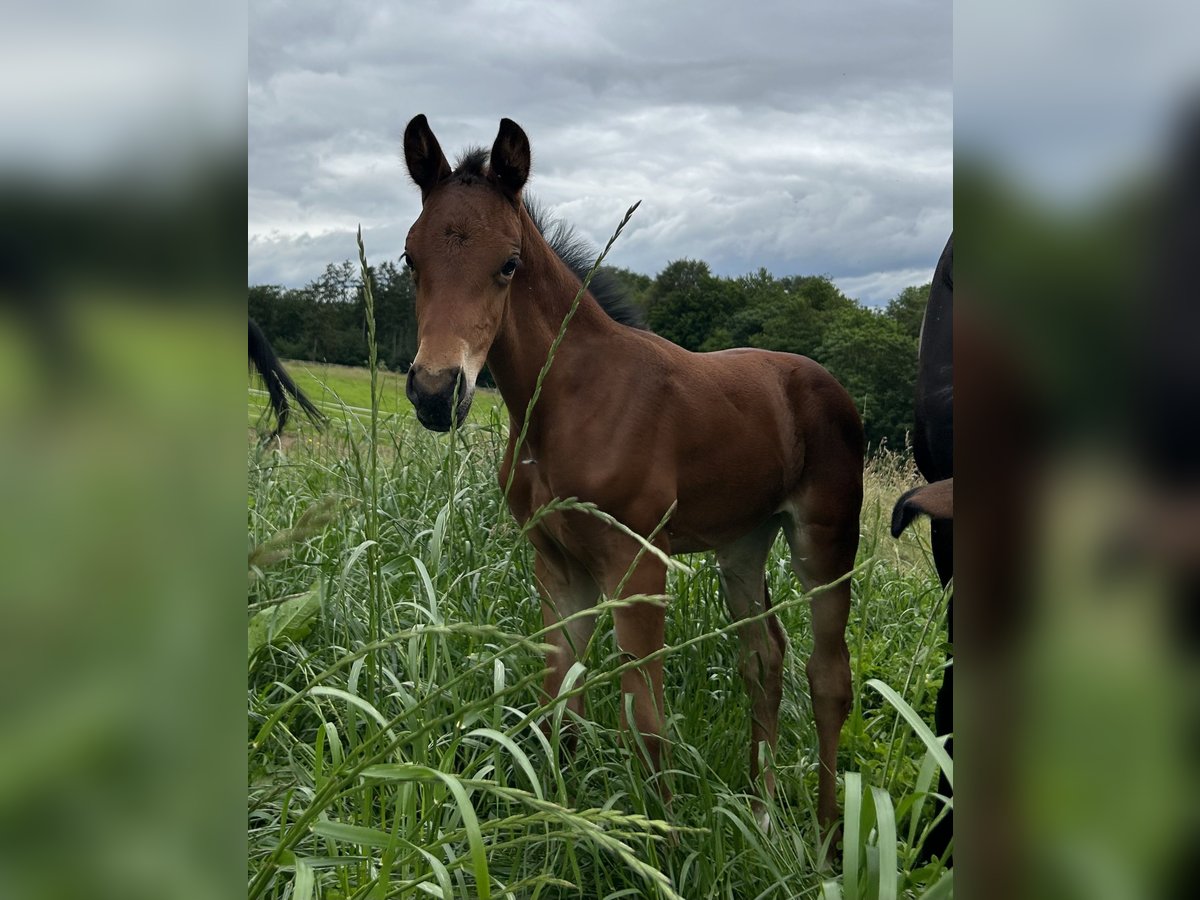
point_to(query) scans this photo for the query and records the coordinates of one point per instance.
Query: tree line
(872, 352)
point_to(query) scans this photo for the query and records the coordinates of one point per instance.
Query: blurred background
(1077, 199)
(122, 201)
(1077, 207)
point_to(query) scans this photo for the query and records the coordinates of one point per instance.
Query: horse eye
(407, 260)
(510, 267)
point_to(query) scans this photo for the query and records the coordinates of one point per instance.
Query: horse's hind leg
(823, 551)
(762, 647)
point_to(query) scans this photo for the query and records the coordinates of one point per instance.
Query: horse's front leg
(567, 590)
(639, 633)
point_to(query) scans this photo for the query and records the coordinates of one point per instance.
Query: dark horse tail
(279, 383)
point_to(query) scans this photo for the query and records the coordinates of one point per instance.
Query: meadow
(346, 390)
(393, 692)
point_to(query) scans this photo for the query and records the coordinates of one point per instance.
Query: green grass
(345, 390)
(409, 763)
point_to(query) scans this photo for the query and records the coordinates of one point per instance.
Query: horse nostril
(439, 398)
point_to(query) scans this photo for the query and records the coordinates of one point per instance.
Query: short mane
(574, 251)
(471, 166)
(579, 256)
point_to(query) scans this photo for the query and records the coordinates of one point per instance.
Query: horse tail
(279, 383)
(934, 500)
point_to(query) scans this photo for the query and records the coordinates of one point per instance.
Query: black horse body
(933, 448)
(933, 440)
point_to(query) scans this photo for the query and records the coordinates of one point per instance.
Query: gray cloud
(806, 138)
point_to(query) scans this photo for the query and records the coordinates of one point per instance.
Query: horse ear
(510, 158)
(426, 162)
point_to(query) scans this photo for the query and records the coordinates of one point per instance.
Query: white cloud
(804, 138)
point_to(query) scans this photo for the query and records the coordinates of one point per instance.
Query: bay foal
(743, 442)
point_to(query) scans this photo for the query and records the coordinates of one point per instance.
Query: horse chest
(530, 489)
(539, 490)
(538, 484)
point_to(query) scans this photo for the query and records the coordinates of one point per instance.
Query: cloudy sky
(807, 137)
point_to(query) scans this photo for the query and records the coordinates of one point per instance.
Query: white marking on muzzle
(436, 363)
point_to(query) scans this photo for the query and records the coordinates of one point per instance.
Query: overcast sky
(807, 137)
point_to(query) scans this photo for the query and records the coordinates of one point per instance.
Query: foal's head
(463, 251)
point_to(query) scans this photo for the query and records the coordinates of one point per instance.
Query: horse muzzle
(439, 398)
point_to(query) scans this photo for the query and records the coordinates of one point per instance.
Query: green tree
(798, 313)
(687, 303)
(395, 315)
(282, 313)
(263, 305)
(636, 285)
(751, 297)
(876, 361)
(907, 309)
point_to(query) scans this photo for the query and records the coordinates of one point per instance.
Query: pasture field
(393, 704)
(339, 390)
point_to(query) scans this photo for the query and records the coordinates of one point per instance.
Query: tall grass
(395, 748)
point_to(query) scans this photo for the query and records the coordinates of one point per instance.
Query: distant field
(346, 390)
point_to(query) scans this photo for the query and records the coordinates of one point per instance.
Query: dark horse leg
(941, 536)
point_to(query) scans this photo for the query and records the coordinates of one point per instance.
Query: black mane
(579, 257)
(574, 251)
(471, 166)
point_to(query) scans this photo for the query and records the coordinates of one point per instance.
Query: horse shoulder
(517, 484)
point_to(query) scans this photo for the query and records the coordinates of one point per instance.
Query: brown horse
(742, 443)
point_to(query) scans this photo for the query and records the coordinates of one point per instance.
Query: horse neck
(539, 300)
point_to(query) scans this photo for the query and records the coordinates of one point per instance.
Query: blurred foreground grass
(120, 652)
